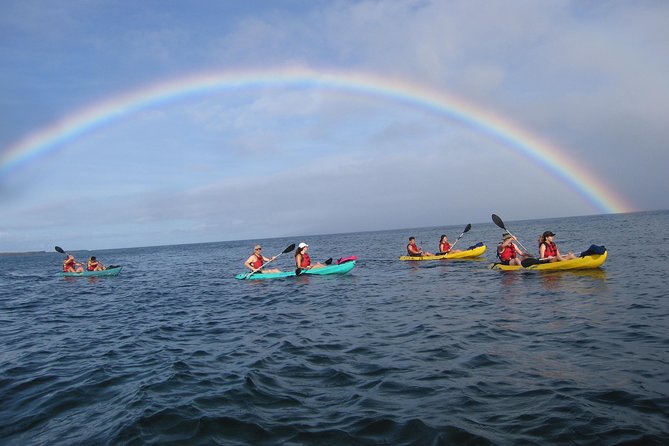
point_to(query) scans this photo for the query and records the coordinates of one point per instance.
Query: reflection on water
(573, 281)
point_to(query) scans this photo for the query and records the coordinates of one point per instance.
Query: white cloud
(588, 77)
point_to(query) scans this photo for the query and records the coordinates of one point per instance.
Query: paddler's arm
(248, 263)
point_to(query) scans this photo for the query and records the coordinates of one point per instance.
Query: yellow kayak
(468, 254)
(587, 262)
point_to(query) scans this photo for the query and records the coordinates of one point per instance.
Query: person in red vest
(548, 250)
(444, 246)
(414, 250)
(257, 260)
(72, 266)
(508, 252)
(302, 259)
(95, 265)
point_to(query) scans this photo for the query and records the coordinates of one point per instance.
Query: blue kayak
(105, 272)
(342, 268)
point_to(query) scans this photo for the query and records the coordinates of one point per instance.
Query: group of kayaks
(593, 257)
(587, 260)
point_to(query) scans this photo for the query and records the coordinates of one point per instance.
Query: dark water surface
(175, 351)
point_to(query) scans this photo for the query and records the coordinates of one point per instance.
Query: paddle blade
(498, 221)
(298, 271)
(530, 261)
(288, 249)
(59, 249)
(467, 228)
(328, 261)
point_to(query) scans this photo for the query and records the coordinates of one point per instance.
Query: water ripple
(394, 353)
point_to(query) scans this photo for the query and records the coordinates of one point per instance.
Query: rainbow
(549, 157)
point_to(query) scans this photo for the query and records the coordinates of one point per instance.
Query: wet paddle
(299, 271)
(467, 228)
(498, 221)
(288, 249)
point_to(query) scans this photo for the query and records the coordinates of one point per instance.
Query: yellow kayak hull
(468, 254)
(587, 262)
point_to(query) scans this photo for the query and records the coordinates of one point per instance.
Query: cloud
(590, 77)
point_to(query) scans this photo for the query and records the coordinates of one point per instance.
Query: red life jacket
(445, 247)
(508, 253)
(410, 252)
(68, 264)
(306, 260)
(551, 249)
(92, 265)
(258, 263)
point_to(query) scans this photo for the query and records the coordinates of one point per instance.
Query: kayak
(105, 272)
(586, 262)
(342, 268)
(467, 254)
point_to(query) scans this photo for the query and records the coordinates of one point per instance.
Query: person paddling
(94, 265)
(414, 250)
(72, 266)
(302, 259)
(445, 247)
(508, 252)
(257, 260)
(549, 251)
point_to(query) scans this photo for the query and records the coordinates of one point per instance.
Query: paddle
(299, 271)
(467, 228)
(288, 249)
(498, 221)
(62, 251)
(532, 261)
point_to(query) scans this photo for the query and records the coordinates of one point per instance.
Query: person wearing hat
(508, 252)
(302, 259)
(548, 250)
(94, 265)
(257, 260)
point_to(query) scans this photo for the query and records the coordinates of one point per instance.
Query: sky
(164, 122)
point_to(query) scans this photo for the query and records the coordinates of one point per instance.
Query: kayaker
(72, 266)
(548, 250)
(257, 260)
(302, 259)
(508, 252)
(445, 247)
(94, 265)
(414, 250)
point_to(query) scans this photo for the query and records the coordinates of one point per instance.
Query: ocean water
(176, 351)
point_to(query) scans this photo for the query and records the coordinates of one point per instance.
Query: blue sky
(589, 77)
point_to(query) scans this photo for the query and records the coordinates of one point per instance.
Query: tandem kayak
(105, 272)
(467, 254)
(586, 262)
(342, 268)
